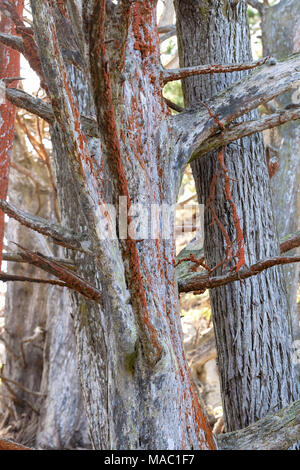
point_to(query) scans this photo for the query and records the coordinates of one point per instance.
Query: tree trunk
(47, 364)
(250, 318)
(137, 386)
(280, 32)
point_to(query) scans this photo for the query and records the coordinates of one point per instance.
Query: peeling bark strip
(10, 67)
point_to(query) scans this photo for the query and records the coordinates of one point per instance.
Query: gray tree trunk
(47, 365)
(250, 318)
(280, 32)
(138, 389)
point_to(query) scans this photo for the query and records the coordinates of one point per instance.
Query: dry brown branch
(200, 282)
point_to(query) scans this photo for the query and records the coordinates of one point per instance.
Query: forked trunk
(136, 383)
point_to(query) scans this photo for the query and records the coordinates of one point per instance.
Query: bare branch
(204, 351)
(36, 106)
(200, 282)
(167, 28)
(174, 106)
(15, 42)
(9, 445)
(276, 431)
(60, 235)
(194, 250)
(194, 126)
(168, 35)
(247, 128)
(71, 279)
(17, 384)
(256, 4)
(10, 277)
(33, 105)
(170, 75)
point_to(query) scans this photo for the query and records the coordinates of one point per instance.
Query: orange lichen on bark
(10, 67)
(240, 254)
(142, 16)
(9, 445)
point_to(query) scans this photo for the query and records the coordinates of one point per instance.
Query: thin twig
(25, 389)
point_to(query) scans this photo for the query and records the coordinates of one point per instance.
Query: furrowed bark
(130, 403)
(250, 319)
